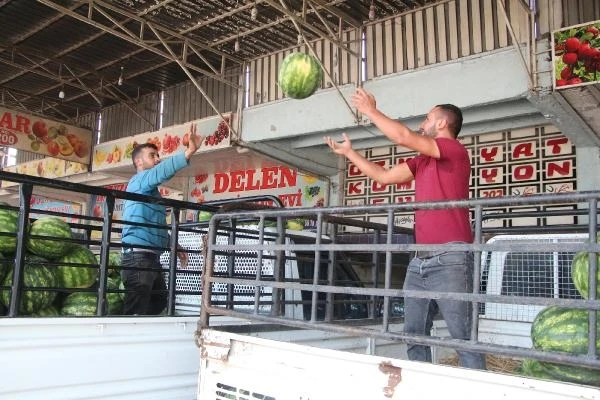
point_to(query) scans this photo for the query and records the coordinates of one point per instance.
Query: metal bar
(109, 207)
(331, 264)
(592, 350)
(388, 272)
(257, 287)
(317, 263)
(185, 69)
(173, 260)
(476, 273)
(25, 193)
(501, 350)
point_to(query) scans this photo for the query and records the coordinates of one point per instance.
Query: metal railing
(582, 206)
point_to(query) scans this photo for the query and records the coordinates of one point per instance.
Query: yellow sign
(44, 136)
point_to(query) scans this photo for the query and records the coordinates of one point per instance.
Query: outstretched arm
(397, 174)
(394, 130)
(194, 142)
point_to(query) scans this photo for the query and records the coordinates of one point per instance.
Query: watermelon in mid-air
(299, 75)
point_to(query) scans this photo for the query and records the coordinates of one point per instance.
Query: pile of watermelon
(54, 268)
(565, 330)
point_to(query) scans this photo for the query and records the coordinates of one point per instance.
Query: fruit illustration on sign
(65, 148)
(53, 148)
(39, 129)
(577, 55)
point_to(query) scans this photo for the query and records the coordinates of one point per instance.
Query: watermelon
(580, 272)
(49, 311)
(114, 261)
(296, 224)
(299, 75)
(565, 330)
(35, 275)
(80, 304)
(4, 267)
(115, 300)
(204, 216)
(77, 276)
(52, 227)
(9, 220)
(534, 369)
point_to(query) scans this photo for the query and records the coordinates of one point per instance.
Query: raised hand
(342, 148)
(363, 101)
(195, 141)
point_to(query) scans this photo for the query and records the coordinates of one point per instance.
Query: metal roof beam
(133, 39)
(338, 13)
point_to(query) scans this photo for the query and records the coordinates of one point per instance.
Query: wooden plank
(476, 37)
(353, 62)
(371, 62)
(453, 33)
(254, 83)
(379, 50)
(420, 38)
(325, 52)
(345, 60)
(399, 45)
(465, 36)
(390, 47)
(488, 25)
(503, 34)
(442, 49)
(430, 36)
(409, 42)
(273, 72)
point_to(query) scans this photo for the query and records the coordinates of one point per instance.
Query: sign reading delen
(44, 136)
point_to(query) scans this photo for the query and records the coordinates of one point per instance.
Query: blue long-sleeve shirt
(146, 182)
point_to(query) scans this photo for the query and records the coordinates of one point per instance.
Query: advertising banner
(293, 188)
(576, 55)
(169, 140)
(45, 168)
(43, 136)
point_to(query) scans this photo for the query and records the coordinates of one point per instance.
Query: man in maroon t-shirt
(441, 172)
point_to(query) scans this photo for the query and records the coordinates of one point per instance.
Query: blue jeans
(145, 290)
(451, 271)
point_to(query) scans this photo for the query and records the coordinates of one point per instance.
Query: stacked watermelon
(8, 224)
(77, 269)
(52, 244)
(566, 330)
(36, 276)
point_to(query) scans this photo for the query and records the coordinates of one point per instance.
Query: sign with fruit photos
(168, 141)
(48, 167)
(576, 55)
(43, 136)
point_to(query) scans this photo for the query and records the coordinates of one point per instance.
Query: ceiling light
(253, 13)
(372, 11)
(61, 94)
(236, 45)
(299, 39)
(120, 81)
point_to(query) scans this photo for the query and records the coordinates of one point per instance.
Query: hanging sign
(43, 136)
(576, 55)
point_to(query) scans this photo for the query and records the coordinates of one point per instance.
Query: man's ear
(137, 162)
(441, 123)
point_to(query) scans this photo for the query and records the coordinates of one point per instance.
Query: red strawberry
(570, 58)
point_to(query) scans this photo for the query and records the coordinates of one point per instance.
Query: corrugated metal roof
(83, 47)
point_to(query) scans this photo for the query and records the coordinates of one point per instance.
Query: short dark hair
(453, 116)
(138, 149)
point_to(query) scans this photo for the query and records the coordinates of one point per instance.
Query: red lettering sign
(246, 180)
(491, 175)
(563, 169)
(556, 146)
(355, 188)
(490, 154)
(523, 150)
(523, 172)
(377, 187)
(354, 171)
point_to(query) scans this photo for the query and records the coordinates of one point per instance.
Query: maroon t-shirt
(446, 178)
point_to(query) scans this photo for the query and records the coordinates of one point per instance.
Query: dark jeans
(447, 272)
(146, 290)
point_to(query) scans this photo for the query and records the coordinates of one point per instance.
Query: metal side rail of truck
(273, 355)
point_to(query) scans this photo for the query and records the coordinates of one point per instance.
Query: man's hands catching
(195, 141)
(364, 101)
(342, 148)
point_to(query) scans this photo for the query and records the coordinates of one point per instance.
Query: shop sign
(576, 55)
(44, 136)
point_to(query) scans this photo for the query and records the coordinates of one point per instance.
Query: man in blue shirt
(142, 274)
